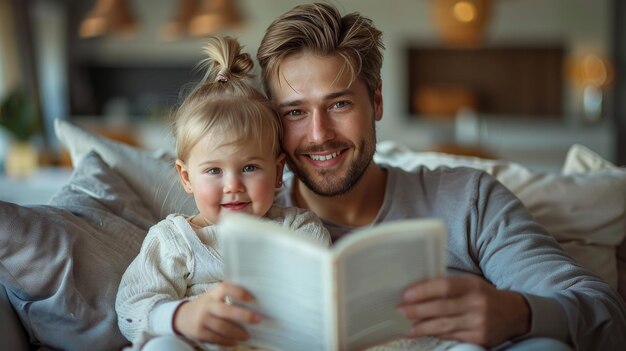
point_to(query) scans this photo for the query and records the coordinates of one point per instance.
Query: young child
(172, 296)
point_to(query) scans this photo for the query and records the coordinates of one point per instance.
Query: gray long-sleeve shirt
(491, 234)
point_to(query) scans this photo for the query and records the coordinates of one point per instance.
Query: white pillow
(583, 211)
(153, 177)
(580, 159)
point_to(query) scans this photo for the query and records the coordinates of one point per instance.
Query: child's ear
(183, 175)
(280, 167)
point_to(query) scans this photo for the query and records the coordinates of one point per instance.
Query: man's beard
(333, 187)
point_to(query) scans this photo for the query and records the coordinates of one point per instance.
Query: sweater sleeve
(305, 223)
(156, 276)
(567, 301)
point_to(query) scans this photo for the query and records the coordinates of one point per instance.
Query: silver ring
(228, 300)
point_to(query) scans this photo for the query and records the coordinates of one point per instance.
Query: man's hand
(465, 308)
(212, 318)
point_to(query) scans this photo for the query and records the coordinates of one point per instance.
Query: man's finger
(438, 326)
(434, 308)
(439, 288)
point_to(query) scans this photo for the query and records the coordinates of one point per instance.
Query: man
(508, 281)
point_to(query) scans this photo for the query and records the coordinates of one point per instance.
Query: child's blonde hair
(225, 103)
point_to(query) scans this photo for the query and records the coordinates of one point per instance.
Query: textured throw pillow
(61, 263)
(583, 211)
(581, 159)
(153, 178)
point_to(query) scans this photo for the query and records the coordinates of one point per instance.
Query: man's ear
(280, 167)
(378, 102)
(183, 175)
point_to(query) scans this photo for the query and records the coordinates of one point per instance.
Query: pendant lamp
(213, 16)
(177, 28)
(461, 23)
(108, 16)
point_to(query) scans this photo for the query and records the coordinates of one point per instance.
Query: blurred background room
(520, 80)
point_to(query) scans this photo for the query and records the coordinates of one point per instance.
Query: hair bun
(225, 60)
(242, 64)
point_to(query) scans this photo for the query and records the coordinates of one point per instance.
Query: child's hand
(211, 318)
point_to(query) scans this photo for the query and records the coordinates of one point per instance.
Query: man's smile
(317, 157)
(325, 159)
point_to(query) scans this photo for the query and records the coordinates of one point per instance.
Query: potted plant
(19, 116)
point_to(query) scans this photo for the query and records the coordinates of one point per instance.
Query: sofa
(61, 263)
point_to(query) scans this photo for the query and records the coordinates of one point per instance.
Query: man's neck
(356, 208)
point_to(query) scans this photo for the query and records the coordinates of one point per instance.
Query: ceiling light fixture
(464, 11)
(108, 16)
(177, 28)
(213, 16)
(461, 23)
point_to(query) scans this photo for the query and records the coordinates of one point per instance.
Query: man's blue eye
(293, 113)
(341, 104)
(249, 168)
(214, 171)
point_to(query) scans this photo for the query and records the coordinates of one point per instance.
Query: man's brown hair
(319, 28)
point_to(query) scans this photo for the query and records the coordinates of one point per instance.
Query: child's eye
(213, 171)
(249, 168)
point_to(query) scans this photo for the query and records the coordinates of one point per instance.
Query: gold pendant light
(461, 23)
(108, 16)
(177, 28)
(213, 16)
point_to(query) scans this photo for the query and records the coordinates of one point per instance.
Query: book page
(290, 277)
(374, 268)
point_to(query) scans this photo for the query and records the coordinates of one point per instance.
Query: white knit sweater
(179, 260)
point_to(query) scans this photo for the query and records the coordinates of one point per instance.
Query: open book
(342, 298)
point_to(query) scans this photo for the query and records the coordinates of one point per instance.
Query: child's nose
(233, 185)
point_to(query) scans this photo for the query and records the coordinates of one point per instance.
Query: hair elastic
(222, 76)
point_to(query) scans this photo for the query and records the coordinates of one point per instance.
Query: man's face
(329, 133)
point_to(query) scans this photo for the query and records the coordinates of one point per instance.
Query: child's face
(229, 177)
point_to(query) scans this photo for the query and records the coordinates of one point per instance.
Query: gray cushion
(61, 264)
(153, 178)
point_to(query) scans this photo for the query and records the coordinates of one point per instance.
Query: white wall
(583, 26)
